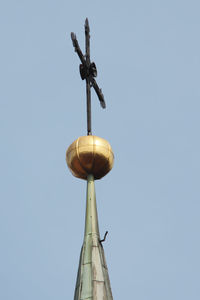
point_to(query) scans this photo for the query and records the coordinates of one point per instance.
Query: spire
(90, 157)
(92, 279)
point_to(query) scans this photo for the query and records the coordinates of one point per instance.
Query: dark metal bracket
(101, 241)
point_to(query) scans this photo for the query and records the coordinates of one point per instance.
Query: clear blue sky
(148, 59)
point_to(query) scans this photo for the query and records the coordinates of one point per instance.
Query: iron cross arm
(87, 69)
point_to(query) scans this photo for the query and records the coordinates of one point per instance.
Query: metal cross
(88, 71)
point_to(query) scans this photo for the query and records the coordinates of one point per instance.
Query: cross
(88, 71)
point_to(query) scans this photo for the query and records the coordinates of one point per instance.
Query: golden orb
(90, 155)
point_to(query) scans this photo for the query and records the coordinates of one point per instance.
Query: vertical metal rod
(88, 91)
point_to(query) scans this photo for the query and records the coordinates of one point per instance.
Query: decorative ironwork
(88, 72)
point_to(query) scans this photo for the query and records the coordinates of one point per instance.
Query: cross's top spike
(88, 71)
(87, 25)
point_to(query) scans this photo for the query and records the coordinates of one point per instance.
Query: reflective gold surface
(90, 155)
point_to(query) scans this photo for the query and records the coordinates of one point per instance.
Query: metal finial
(88, 71)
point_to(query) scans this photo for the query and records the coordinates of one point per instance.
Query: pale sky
(148, 60)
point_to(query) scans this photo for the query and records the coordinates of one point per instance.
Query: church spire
(90, 158)
(92, 279)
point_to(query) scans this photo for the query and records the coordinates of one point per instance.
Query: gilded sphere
(90, 155)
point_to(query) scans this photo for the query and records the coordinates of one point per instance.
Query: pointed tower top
(90, 157)
(92, 280)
